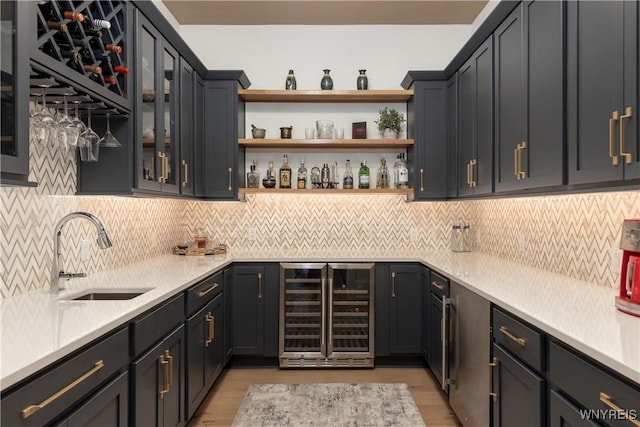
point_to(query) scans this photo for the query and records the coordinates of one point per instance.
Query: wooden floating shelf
(326, 143)
(398, 191)
(256, 95)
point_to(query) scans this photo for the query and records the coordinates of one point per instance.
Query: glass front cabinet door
(157, 154)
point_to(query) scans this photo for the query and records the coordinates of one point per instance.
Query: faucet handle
(68, 276)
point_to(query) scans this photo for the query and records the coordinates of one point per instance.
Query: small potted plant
(390, 123)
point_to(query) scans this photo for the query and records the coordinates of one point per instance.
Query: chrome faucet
(56, 273)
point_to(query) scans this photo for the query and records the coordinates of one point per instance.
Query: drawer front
(52, 393)
(153, 326)
(439, 285)
(593, 388)
(563, 413)
(203, 292)
(519, 338)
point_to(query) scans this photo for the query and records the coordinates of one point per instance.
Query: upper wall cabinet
(475, 122)
(452, 136)
(528, 93)
(602, 78)
(427, 127)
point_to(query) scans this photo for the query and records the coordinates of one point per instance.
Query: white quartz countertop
(38, 328)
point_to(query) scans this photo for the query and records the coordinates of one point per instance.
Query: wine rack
(83, 46)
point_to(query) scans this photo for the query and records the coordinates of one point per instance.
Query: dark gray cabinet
(452, 136)
(424, 320)
(109, 407)
(398, 309)
(205, 337)
(563, 413)
(255, 309)
(518, 392)
(602, 93)
(475, 122)
(426, 112)
(224, 124)
(187, 127)
(528, 94)
(228, 314)
(14, 128)
(158, 383)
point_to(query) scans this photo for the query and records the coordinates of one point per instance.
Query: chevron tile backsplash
(568, 234)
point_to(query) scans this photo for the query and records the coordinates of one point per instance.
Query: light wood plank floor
(220, 406)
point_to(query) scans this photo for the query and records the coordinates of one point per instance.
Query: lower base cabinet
(158, 383)
(205, 356)
(107, 408)
(563, 413)
(518, 392)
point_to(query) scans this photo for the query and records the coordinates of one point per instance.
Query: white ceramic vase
(389, 134)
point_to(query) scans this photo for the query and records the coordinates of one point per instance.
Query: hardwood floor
(220, 406)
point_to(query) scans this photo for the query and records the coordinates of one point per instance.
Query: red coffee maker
(628, 300)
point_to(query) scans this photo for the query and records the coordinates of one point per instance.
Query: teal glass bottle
(327, 82)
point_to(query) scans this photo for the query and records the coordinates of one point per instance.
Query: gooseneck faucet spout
(56, 272)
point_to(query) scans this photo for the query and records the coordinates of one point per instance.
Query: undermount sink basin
(106, 294)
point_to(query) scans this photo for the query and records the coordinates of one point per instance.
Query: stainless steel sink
(106, 294)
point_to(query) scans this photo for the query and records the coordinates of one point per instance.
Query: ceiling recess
(324, 12)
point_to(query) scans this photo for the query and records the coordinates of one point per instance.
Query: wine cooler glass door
(303, 321)
(351, 309)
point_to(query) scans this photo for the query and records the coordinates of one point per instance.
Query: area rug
(370, 405)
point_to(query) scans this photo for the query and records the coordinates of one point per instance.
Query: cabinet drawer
(56, 390)
(519, 338)
(202, 293)
(564, 413)
(439, 285)
(592, 387)
(152, 326)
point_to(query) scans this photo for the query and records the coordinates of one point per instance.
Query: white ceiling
(324, 12)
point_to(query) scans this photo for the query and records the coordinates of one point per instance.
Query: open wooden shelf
(398, 191)
(326, 143)
(377, 96)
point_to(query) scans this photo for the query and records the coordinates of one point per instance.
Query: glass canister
(324, 129)
(456, 242)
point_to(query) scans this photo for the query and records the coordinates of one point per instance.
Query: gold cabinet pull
(230, 170)
(186, 173)
(212, 328)
(203, 293)
(520, 148)
(393, 284)
(421, 179)
(627, 156)
(612, 151)
(166, 168)
(437, 285)
(32, 409)
(516, 170)
(165, 367)
(170, 359)
(606, 399)
(161, 178)
(492, 365)
(469, 174)
(473, 163)
(259, 285)
(517, 340)
(207, 319)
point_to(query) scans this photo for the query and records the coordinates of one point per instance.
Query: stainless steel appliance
(469, 340)
(326, 315)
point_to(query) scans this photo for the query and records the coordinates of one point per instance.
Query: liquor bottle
(269, 181)
(396, 166)
(113, 48)
(347, 182)
(325, 175)
(253, 177)
(302, 175)
(363, 175)
(290, 84)
(382, 177)
(403, 173)
(285, 173)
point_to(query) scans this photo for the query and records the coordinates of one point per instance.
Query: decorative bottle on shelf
(290, 84)
(382, 177)
(302, 175)
(269, 181)
(326, 176)
(327, 82)
(253, 177)
(403, 173)
(347, 182)
(285, 173)
(363, 81)
(363, 176)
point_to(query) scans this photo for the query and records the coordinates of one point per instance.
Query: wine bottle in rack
(110, 80)
(113, 48)
(101, 23)
(92, 69)
(73, 55)
(120, 69)
(59, 26)
(73, 16)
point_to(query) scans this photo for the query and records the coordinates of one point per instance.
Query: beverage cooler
(326, 315)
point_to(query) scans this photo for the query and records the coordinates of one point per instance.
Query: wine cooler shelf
(88, 37)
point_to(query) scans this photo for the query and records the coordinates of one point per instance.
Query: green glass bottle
(364, 175)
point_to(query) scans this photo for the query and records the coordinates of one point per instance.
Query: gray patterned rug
(326, 405)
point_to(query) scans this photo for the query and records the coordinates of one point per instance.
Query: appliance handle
(323, 318)
(330, 308)
(443, 332)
